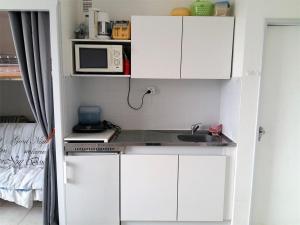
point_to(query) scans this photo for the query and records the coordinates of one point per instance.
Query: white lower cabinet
(201, 185)
(152, 187)
(172, 187)
(92, 189)
(149, 187)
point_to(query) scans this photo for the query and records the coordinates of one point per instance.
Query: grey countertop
(162, 138)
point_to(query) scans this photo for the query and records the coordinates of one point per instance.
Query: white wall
(70, 87)
(245, 151)
(13, 100)
(177, 105)
(251, 17)
(230, 102)
(240, 13)
(256, 20)
(123, 9)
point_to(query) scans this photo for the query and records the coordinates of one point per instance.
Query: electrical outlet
(152, 90)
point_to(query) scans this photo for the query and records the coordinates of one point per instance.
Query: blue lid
(89, 115)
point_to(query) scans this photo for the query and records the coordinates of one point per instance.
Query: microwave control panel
(116, 57)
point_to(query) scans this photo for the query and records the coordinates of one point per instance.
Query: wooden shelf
(100, 75)
(99, 40)
(10, 73)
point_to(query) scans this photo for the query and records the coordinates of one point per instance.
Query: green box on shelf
(202, 8)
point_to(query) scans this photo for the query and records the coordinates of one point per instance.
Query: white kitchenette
(152, 171)
(148, 176)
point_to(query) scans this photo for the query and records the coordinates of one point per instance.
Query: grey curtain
(31, 34)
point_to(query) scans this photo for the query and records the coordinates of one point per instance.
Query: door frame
(53, 7)
(269, 22)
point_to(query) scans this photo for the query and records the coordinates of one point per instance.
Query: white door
(149, 187)
(156, 47)
(276, 194)
(92, 189)
(201, 187)
(207, 47)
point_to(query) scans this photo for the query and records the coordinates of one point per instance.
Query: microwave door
(92, 60)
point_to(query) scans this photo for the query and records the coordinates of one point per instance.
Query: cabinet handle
(65, 173)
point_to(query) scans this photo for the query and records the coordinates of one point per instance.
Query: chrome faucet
(195, 127)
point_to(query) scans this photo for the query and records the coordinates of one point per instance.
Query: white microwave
(97, 58)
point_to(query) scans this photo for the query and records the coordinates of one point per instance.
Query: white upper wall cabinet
(207, 47)
(156, 47)
(201, 185)
(191, 47)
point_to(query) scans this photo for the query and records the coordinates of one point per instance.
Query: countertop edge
(114, 141)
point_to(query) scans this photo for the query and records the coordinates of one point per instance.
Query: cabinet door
(156, 47)
(149, 187)
(201, 187)
(92, 189)
(207, 47)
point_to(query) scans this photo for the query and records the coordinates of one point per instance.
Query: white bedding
(22, 156)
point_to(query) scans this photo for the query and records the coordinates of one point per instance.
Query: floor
(12, 214)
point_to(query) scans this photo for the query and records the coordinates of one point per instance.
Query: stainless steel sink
(198, 138)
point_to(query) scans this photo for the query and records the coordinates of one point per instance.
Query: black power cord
(128, 97)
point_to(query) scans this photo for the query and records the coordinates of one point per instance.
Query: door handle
(261, 132)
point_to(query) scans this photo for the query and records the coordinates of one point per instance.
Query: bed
(22, 155)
